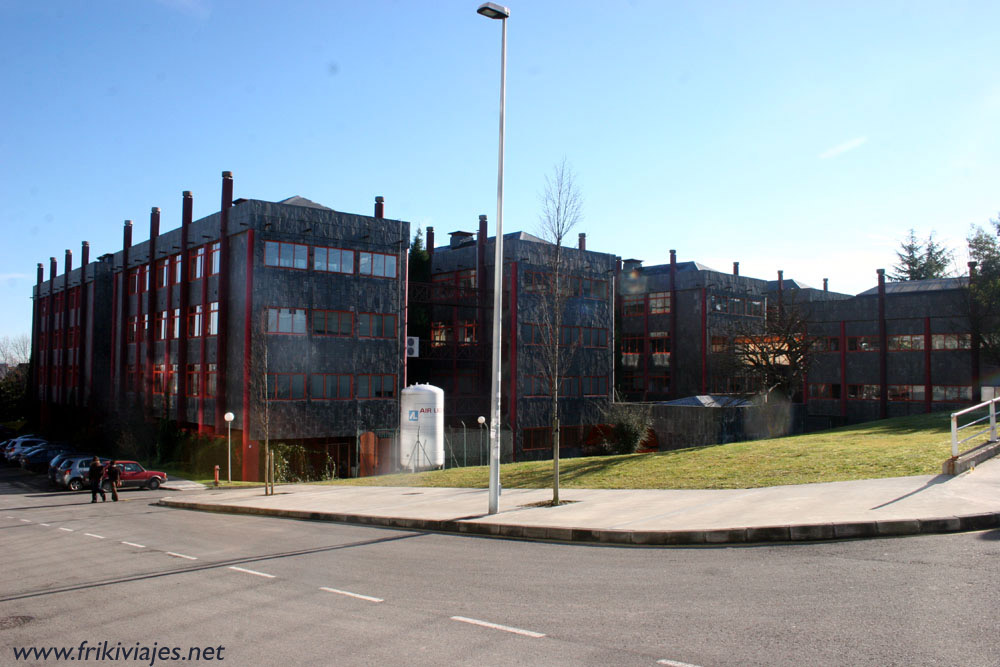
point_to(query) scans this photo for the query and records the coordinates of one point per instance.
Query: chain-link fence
(463, 447)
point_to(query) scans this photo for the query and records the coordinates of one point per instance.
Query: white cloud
(842, 148)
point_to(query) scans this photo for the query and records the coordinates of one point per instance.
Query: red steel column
(65, 355)
(673, 324)
(250, 461)
(36, 332)
(222, 337)
(83, 321)
(704, 340)
(928, 386)
(883, 352)
(123, 328)
(154, 233)
(183, 300)
(843, 368)
(50, 393)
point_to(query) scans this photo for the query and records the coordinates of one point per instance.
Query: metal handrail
(992, 430)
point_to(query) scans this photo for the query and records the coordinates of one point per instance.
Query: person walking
(96, 474)
(114, 475)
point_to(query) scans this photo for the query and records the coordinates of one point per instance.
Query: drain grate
(10, 622)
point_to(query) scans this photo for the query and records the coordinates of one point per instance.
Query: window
(377, 264)
(569, 336)
(536, 385)
(213, 319)
(737, 306)
(569, 387)
(175, 323)
(441, 334)
(633, 305)
(952, 394)
(194, 318)
(286, 386)
(824, 391)
(632, 345)
(720, 344)
(906, 392)
(659, 303)
(163, 273)
(594, 386)
(196, 263)
(175, 262)
(533, 334)
(132, 281)
(593, 289)
(862, 344)
(906, 342)
(330, 387)
(375, 325)
(718, 304)
(826, 344)
(158, 378)
(376, 386)
(659, 344)
(755, 307)
(594, 337)
(958, 341)
(172, 380)
(214, 258)
(537, 438)
(536, 282)
(466, 333)
(211, 379)
(286, 255)
(133, 332)
(863, 392)
(161, 331)
(193, 379)
(332, 323)
(286, 320)
(333, 260)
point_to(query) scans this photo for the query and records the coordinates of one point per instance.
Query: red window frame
(321, 323)
(195, 321)
(214, 260)
(633, 305)
(364, 387)
(292, 385)
(370, 319)
(324, 264)
(274, 321)
(377, 265)
(196, 263)
(321, 384)
(659, 303)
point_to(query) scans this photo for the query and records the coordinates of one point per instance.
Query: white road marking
(133, 544)
(496, 626)
(176, 555)
(674, 663)
(68, 530)
(100, 537)
(44, 524)
(26, 520)
(351, 595)
(255, 572)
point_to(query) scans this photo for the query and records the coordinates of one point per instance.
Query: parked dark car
(20, 446)
(38, 459)
(135, 476)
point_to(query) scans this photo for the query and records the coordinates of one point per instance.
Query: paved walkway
(834, 510)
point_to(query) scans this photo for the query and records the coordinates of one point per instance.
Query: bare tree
(15, 350)
(562, 210)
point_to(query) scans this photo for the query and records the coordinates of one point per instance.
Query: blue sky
(802, 136)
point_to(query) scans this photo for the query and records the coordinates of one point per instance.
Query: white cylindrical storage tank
(421, 431)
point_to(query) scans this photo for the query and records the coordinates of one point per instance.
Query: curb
(817, 532)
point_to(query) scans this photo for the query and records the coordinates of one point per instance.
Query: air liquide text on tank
(421, 432)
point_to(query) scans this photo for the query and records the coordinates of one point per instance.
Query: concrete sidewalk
(835, 510)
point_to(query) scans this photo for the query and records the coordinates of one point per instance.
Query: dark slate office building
(456, 306)
(289, 300)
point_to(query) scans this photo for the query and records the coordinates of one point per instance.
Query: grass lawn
(889, 448)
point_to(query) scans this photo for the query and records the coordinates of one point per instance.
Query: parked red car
(134, 475)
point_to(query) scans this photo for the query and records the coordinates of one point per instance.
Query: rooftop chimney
(379, 207)
(826, 284)
(736, 268)
(583, 241)
(430, 240)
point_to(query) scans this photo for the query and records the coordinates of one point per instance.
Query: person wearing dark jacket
(95, 475)
(114, 475)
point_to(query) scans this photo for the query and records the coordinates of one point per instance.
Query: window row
(569, 387)
(330, 323)
(166, 324)
(165, 379)
(329, 386)
(168, 271)
(537, 282)
(896, 343)
(736, 305)
(538, 334)
(329, 260)
(896, 392)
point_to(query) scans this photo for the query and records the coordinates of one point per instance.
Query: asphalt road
(274, 591)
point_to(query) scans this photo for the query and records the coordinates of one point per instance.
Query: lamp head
(481, 420)
(492, 10)
(229, 416)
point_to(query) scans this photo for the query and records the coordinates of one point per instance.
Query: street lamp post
(229, 417)
(494, 11)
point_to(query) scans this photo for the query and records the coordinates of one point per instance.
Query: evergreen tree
(921, 261)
